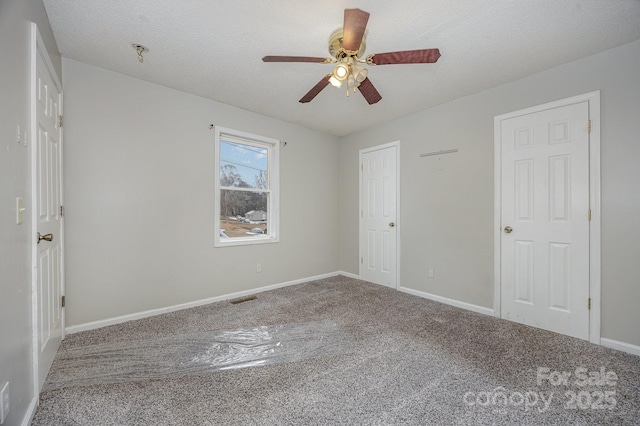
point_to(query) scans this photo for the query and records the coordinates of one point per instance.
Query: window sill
(244, 241)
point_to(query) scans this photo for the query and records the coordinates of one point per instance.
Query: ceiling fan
(346, 45)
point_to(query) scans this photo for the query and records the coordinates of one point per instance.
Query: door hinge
(61, 211)
(362, 260)
(589, 304)
(589, 215)
(589, 126)
(60, 121)
(62, 301)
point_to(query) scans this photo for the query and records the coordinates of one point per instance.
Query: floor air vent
(243, 299)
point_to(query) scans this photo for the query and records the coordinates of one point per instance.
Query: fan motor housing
(335, 44)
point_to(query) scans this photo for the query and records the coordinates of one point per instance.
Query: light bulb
(341, 72)
(335, 82)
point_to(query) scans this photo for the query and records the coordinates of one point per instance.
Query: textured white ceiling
(213, 48)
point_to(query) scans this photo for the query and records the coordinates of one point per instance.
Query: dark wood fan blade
(369, 92)
(315, 90)
(355, 22)
(296, 59)
(421, 56)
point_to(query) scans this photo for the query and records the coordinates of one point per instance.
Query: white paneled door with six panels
(48, 217)
(545, 219)
(378, 215)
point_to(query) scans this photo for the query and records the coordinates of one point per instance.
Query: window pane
(243, 213)
(246, 188)
(243, 166)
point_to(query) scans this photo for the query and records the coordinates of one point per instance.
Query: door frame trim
(595, 266)
(363, 151)
(38, 47)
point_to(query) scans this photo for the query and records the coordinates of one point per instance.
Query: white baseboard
(348, 275)
(447, 301)
(620, 346)
(31, 411)
(609, 343)
(153, 312)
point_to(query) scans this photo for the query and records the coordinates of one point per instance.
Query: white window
(246, 185)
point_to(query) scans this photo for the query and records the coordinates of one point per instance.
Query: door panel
(378, 233)
(545, 201)
(524, 271)
(559, 276)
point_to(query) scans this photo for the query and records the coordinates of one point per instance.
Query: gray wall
(447, 201)
(15, 181)
(139, 198)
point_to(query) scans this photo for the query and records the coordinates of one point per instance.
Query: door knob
(508, 229)
(46, 237)
(391, 224)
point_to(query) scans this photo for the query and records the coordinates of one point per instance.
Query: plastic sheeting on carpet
(194, 354)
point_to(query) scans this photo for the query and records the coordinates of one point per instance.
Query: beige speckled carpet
(376, 356)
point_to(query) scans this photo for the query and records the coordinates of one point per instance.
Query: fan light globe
(341, 72)
(335, 82)
(359, 73)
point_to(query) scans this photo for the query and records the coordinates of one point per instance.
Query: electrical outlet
(4, 402)
(259, 267)
(431, 273)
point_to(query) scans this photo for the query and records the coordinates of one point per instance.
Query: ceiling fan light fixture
(346, 46)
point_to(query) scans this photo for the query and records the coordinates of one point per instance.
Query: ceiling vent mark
(140, 49)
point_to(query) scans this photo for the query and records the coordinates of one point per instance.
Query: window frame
(273, 187)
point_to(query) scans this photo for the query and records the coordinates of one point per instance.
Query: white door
(545, 219)
(379, 214)
(47, 219)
